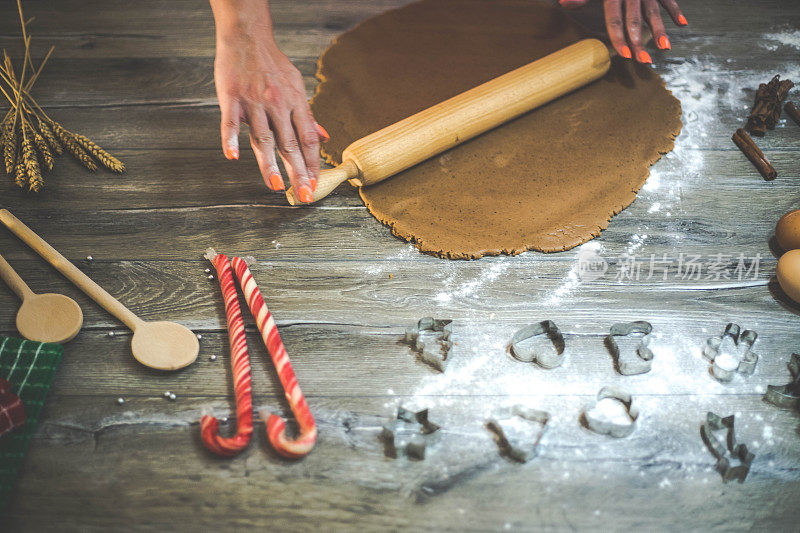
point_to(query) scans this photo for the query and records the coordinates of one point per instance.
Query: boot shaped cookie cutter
(602, 424)
(545, 358)
(437, 355)
(725, 452)
(731, 352)
(787, 396)
(642, 360)
(409, 431)
(513, 443)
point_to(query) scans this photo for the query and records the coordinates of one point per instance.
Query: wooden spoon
(160, 345)
(42, 317)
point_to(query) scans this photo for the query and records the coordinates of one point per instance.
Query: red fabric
(12, 412)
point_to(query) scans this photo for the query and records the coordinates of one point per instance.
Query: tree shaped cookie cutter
(409, 431)
(603, 425)
(642, 360)
(786, 396)
(725, 452)
(731, 352)
(438, 355)
(544, 358)
(517, 446)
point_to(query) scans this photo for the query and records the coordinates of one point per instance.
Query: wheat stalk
(41, 146)
(48, 135)
(19, 172)
(107, 160)
(10, 148)
(32, 170)
(72, 145)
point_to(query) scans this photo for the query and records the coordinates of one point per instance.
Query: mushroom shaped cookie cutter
(613, 426)
(786, 396)
(731, 352)
(518, 445)
(410, 431)
(642, 360)
(544, 358)
(725, 452)
(438, 356)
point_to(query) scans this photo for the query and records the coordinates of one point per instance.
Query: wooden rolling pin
(414, 139)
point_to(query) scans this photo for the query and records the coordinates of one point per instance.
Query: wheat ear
(41, 146)
(72, 146)
(107, 160)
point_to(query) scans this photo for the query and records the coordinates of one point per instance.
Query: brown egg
(787, 230)
(788, 272)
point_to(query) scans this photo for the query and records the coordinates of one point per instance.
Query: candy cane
(240, 364)
(276, 426)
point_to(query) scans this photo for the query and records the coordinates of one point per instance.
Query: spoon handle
(13, 280)
(70, 271)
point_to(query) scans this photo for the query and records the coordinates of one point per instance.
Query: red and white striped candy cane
(276, 426)
(240, 364)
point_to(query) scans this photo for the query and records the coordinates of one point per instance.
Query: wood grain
(136, 77)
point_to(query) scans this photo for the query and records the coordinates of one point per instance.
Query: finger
(652, 12)
(291, 154)
(675, 12)
(633, 22)
(305, 127)
(616, 31)
(323, 134)
(571, 4)
(229, 127)
(263, 143)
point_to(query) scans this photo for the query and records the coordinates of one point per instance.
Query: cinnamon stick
(766, 110)
(754, 154)
(793, 112)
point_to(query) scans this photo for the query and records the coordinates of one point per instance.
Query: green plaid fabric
(34, 365)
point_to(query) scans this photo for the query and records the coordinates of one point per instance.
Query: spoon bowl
(49, 318)
(164, 345)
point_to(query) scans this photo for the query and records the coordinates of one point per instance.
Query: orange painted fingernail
(625, 52)
(663, 43)
(305, 195)
(313, 184)
(643, 57)
(276, 182)
(682, 20)
(322, 133)
(231, 153)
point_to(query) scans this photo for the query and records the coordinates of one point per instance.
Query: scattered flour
(784, 38)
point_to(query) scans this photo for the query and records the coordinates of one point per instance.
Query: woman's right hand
(257, 84)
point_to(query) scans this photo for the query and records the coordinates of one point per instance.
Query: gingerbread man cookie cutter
(512, 441)
(731, 353)
(724, 453)
(642, 360)
(546, 358)
(438, 355)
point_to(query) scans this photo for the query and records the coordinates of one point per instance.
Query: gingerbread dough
(548, 181)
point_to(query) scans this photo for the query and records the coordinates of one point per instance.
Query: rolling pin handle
(329, 179)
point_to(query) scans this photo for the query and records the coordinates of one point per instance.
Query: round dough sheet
(548, 181)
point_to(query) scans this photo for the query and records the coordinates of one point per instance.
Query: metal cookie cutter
(513, 440)
(438, 355)
(787, 396)
(408, 431)
(731, 352)
(642, 361)
(549, 358)
(724, 453)
(612, 424)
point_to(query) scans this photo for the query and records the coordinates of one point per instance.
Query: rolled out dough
(548, 181)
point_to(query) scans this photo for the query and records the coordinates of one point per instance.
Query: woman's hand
(634, 9)
(257, 84)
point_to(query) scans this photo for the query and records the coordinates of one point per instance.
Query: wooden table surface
(137, 78)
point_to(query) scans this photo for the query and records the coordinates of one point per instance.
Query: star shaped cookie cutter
(642, 360)
(725, 452)
(544, 358)
(513, 442)
(600, 423)
(731, 352)
(786, 396)
(440, 354)
(409, 431)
